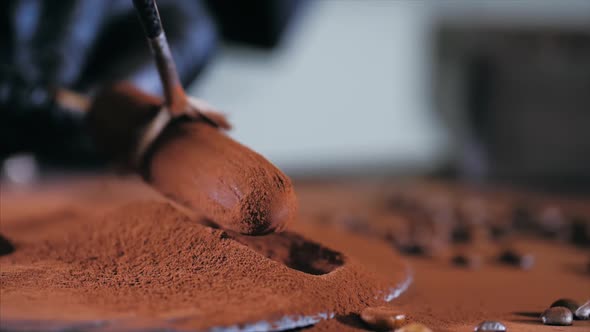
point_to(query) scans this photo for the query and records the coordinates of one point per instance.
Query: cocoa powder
(193, 162)
(46, 283)
(145, 264)
(199, 166)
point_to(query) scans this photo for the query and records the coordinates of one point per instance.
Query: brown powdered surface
(194, 163)
(446, 297)
(202, 168)
(346, 223)
(145, 264)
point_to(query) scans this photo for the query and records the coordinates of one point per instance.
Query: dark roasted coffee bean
(583, 312)
(580, 232)
(461, 234)
(383, 318)
(510, 257)
(412, 249)
(490, 326)
(466, 260)
(568, 303)
(557, 316)
(6, 247)
(522, 219)
(498, 232)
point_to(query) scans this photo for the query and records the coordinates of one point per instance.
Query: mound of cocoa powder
(345, 223)
(202, 168)
(193, 162)
(146, 264)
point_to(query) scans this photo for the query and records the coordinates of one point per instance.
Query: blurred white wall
(351, 86)
(348, 88)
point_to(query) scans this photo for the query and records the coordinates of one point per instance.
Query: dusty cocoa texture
(145, 264)
(202, 168)
(445, 297)
(193, 162)
(442, 296)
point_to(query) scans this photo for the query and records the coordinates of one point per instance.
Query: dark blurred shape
(52, 41)
(82, 45)
(461, 234)
(468, 260)
(511, 257)
(190, 32)
(580, 232)
(261, 22)
(5, 246)
(518, 99)
(31, 121)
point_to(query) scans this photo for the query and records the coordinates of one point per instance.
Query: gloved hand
(81, 45)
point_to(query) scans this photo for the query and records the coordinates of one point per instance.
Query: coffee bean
(490, 326)
(583, 312)
(5, 246)
(383, 318)
(411, 249)
(580, 232)
(522, 219)
(557, 316)
(568, 303)
(498, 232)
(460, 234)
(510, 257)
(414, 327)
(466, 260)
(552, 223)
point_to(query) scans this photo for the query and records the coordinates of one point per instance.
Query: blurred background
(488, 91)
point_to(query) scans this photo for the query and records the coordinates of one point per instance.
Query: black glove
(81, 45)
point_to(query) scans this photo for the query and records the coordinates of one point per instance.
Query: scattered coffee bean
(383, 318)
(557, 316)
(568, 303)
(414, 327)
(411, 249)
(583, 312)
(522, 219)
(5, 246)
(552, 223)
(490, 326)
(510, 257)
(460, 234)
(580, 232)
(466, 260)
(498, 232)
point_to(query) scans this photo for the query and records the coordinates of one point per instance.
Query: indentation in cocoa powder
(208, 223)
(294, 251)
(6, 247)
